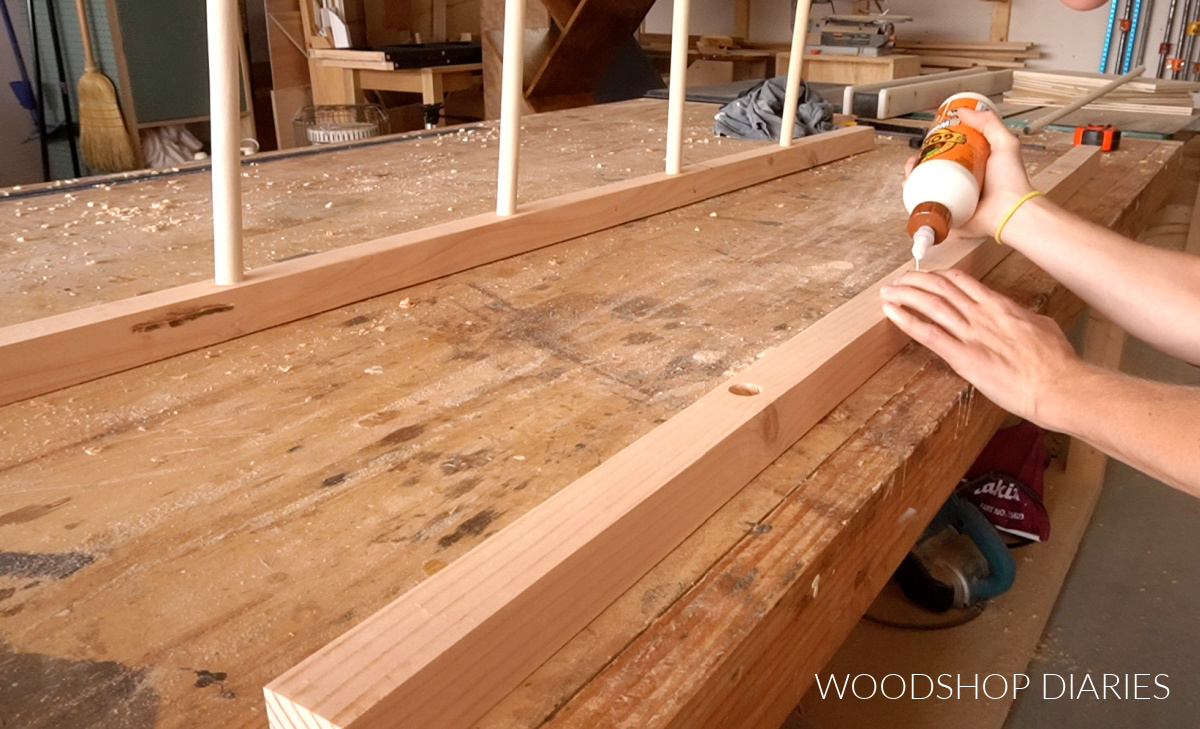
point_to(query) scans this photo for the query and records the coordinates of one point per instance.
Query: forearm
(1149, 292)
(1152, 426)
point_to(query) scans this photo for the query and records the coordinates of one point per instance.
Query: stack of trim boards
(1059, 88)
(964, 54)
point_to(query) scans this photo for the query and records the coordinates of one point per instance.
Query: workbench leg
(1103, 345)
(432, 91)
(332, 86)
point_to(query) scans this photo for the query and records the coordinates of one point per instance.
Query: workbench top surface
(174, 537)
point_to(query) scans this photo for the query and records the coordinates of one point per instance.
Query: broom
(103, 138)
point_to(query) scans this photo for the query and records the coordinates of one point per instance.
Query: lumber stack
(965, 54)
(1059, 88)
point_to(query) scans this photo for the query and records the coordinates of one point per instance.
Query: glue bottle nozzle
(923, 240)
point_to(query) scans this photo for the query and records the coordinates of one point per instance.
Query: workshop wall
(1068, 39)
(19, 149)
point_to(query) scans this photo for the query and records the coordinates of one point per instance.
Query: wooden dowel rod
(224, 112)
(512, 94)
(1038, 124)
(679, 64)
(792, 98)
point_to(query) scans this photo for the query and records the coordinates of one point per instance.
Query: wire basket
(338, 123)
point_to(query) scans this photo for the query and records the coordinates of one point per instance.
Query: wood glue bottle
(944, 187)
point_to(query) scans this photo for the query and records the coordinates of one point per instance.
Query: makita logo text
(1000, 489)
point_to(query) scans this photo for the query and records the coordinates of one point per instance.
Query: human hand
(1005, 180)
(1017, 359)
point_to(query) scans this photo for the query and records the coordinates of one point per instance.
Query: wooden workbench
(206, 522)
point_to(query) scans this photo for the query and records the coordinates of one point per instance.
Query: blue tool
(960, 560)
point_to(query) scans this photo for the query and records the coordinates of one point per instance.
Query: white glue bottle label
(944, 187)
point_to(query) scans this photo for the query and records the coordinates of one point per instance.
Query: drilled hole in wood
(745, 388)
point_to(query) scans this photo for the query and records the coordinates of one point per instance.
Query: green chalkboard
(166, 52)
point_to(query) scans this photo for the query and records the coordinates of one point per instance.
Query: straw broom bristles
(103, 138)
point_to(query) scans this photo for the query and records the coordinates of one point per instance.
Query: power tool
(960, 560)
(854, 35)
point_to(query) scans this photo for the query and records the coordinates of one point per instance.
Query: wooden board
(952, 61)
(851, 90)
(447, 651)
(1014, 46)
(1131, 123)
(1059, 88)
(70, 348)
(852, 69)
(901, 100)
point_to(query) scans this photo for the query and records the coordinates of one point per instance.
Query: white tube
(224, 111)
(792, 98)
(512, 94)
(679, 63)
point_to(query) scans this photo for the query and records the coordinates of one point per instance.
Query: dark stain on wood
(180, 317)
(743, 583)
(44, 692)
(462, 488)
(355, 321)
(674, 311)
(636, 307)
(687, 364)
(334, 480)
(402, 435)
(301, 254)
(29, 513)
(472, 527)
(205, 678)
(640, 338)
(56, 566)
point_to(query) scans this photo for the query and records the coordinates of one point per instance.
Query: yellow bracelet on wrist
(1013, 210)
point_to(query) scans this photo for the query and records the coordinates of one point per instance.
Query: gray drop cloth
(758, 113)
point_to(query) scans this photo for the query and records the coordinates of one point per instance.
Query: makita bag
(1007, 482)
